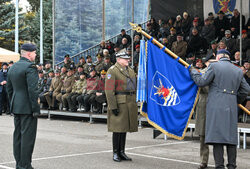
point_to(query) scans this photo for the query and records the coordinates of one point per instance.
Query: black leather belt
(124, 93)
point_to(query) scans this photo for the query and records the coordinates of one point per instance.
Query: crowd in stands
(76, 86)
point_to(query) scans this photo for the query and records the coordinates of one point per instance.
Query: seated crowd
(76, 86)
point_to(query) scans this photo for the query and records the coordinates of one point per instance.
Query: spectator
(172, 37)
(245, 45)
(4, 103)
(80, 70)
(222, 45)
(47, 69)
(88, 66)
(123, 35)
(164, 30)
(99, 62)
(199, 64)
(124, 43)
(236, 58)
(186, 24)
(211, 53)
(178, 24)
(81, 62)
(100, 96)
(67, 61)
(179, 47)
(170, 23)
(54, 90)
(245, 76)
(196, 26)
(89, 94)
(77, 89)
(41, 82)
(155, 25)
(110, 46)
(63, 72)
(195, 43)
(230, 43)
(235, 23)
(165, 42)
(211, 17)
(208, 31)
(221, 24)
(136, 41)
(40, 67)
(66, 88)
(107, 63)
(46, 87)
(151, 31)
(116, 49)
(102, 46)
(136, 55)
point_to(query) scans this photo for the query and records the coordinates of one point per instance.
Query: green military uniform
(54, 90)
(200, 122)
(66, 90)
(99, 66)
(120, 87)
(22, 88)
(76, 91)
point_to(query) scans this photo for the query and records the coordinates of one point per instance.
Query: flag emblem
(163, 92)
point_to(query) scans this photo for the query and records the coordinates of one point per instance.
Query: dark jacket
(22, 87)
(3, 77)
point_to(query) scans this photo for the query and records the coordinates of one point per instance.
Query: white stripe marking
(99, 152)
(167, 159)
(5, 167)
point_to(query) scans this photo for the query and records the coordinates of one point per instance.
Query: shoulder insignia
(108, 76)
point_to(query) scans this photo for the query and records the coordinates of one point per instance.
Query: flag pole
(139, 30)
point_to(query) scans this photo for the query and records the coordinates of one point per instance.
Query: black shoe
(116, 157)
(124, 156)
(202, 166)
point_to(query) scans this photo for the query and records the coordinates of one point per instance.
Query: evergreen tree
(7, 25)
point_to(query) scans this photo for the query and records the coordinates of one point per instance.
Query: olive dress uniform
(66, 90)
(22, 89)
(120, 87)
(54, 90)
(76, 91)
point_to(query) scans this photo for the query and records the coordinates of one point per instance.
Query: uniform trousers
(24, 139)
(218, 151)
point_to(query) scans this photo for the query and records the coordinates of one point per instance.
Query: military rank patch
(108, 76)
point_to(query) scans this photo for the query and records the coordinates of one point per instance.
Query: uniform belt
(124, 93)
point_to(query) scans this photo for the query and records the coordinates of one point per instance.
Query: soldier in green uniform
(22, 89)
(120, 89)
(76, 91)
(98, 63)
(88, 66)
(66, 88)
(81, 62)
(67, 61)
(54, 90)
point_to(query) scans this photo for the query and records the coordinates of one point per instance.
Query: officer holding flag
(227, 88)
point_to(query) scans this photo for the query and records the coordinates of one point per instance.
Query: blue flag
(141, 93)
(171, 93)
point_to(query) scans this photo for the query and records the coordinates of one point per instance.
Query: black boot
(122, 147)
(116, 156)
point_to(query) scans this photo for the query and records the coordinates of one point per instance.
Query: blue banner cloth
(141, 93)
(171, 93)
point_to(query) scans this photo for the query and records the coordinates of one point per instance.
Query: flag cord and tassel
(139, 30)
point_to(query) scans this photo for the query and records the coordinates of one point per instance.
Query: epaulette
(33, 66)
(112, 67)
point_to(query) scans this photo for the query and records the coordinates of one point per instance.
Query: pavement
(73, 143)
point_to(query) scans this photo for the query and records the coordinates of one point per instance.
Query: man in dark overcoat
(227, 87)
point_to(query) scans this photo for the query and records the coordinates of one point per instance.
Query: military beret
(40, 72)
(81, 57)
(227, 32)
(82, 73)
(210, 14)
(137, 46)
(66, 56)
(58, 71)
(179, 34)
(51, 71)
(28, 47)
(11, 62)
(213, 42)
(116, 46)
(65, 66)
(4, 63)
(99, 55)
(123, 30)
(223, 51)
(72, 67)
(40, 64)
(88, 56)
(172, 29)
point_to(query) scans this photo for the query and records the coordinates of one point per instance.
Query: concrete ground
(75, 144)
